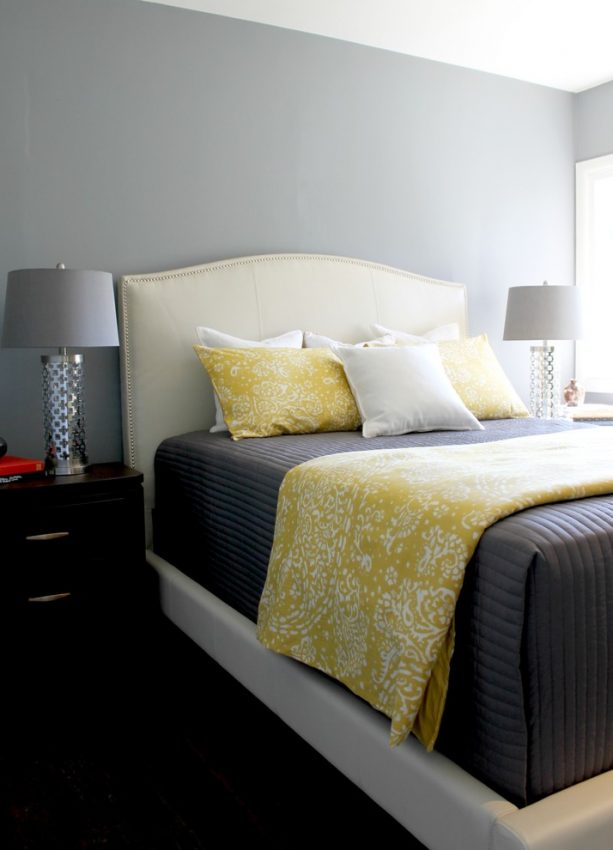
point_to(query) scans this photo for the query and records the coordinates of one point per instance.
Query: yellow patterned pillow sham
(479, 380)
(264, 392)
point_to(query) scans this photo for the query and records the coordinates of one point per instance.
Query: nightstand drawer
(49, 581)
(81, 524)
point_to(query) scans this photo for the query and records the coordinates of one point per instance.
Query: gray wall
(594, 137)
(137, 137)
(594, 122)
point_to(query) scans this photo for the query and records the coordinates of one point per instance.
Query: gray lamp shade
(59, 308)
(543, 313)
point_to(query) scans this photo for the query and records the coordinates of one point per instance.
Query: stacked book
(590, 413)
(13, 468)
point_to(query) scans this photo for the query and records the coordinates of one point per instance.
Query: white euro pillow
(313, 340)
(440, 334)
(404, 389)
(217, 339)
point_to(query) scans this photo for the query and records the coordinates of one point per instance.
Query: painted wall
(593, 118)
(138, 137)
(594, 122)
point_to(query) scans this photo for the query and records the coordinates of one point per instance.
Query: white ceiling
(566, 44)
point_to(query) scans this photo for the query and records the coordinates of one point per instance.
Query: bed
(167, 411)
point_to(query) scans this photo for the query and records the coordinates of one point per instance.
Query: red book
(12, 465)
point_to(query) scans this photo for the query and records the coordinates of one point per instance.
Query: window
(594, 190)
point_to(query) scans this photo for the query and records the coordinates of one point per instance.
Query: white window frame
(594, 366)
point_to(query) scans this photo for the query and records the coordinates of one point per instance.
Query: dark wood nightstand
(73, 575)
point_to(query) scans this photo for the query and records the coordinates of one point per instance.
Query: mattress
(530, 705)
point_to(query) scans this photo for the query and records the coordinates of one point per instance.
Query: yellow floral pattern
(264, 392)
(479, 380)
(370, 550)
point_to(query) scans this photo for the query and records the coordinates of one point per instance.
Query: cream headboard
(164, 388)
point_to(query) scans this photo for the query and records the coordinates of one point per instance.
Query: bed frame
(165, 392)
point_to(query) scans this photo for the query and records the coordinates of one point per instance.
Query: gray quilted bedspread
(530, 706)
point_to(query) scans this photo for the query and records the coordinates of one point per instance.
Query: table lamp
(61, 308)
(543, 313)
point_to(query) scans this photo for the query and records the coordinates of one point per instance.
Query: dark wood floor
(149, 754)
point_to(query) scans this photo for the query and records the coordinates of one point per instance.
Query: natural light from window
(595, 272)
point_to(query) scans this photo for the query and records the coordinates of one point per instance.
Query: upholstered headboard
(164, 388)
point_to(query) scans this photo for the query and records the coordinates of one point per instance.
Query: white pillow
(405, 389)
(440, 334)
(312, 340)
(216, 339)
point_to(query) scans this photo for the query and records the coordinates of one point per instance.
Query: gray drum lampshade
(59, 308)
(543, 312)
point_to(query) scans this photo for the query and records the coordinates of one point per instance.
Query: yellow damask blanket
(370, 550)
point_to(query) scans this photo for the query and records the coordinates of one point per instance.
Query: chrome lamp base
(63, 413)
(544, 382)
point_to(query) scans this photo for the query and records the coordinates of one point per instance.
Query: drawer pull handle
(52, 597)
(52, 535)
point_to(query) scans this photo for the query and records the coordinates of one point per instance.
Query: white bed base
(439, 803)
(165, 393)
